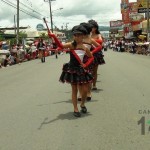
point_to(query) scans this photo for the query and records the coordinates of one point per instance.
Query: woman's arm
(59, 44)
(88, 53)
(66, 45)
(97, 49)
(94, 43)
(90, 59)
(99, 39)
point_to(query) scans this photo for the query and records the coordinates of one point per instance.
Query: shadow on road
(97, 91)
(70, 101)
(91, 101)
(68, 116)
(67, 101)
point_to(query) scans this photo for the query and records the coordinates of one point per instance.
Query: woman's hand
(83, 65)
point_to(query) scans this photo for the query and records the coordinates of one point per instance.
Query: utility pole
(17, 21)
(66, 26)
(67, 34)
(50, 11)
(15, 24)
(147, 20)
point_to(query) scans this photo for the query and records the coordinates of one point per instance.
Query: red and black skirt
(98, 58)
(75, 74)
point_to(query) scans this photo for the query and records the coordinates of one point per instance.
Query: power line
(31, 9)
(22, 10)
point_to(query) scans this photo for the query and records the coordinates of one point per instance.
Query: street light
(147, 20)
(17, 21)
(57, 9)
(54, 12)
(50, 10)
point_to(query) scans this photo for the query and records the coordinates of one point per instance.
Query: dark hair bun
(79, 29)
(87, 26)
(93, 23)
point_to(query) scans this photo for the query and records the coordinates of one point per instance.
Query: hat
(79, 29)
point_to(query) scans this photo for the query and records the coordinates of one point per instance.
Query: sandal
(83, 109)
(88, 98)
(94, 88)
(77, 114)
(79, 98)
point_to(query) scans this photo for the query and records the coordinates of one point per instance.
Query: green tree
(44, 36)
(1, 38)
(22, 35)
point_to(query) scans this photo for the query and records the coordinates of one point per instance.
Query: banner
(117, 23)
(136, 17)
(133, 8)
(124, 1)
(125, 17)
(142, 6)
(124, 5)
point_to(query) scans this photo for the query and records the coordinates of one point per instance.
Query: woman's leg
(40, 54)
(74, 97)
(43, 55)
(56, 52)
(95, 75)
(84, 90)
(89, 95)
(79, 91)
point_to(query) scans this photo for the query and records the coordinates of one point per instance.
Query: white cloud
(73, 12)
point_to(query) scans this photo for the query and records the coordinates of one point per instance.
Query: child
(74, 72)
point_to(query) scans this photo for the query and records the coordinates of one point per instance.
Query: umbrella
(14, 50)
(27, 46)
(22, 50)
(33, 48)
(4, 52)
(140, 43)
(146, 43)
(29, 42)
(142, 37)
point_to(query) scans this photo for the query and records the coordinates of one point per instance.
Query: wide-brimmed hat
(79, 29)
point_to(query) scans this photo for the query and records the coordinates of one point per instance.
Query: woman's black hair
(94, 25)
(87, 26)
(79, 29)
(74, 44)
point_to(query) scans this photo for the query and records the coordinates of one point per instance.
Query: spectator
(6, 60)
(11, 59)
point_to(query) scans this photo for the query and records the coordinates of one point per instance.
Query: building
(31, 33)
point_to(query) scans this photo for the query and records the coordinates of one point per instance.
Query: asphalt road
(36, 109)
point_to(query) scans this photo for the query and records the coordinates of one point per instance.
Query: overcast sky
(73, 12)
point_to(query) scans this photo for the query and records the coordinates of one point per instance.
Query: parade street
(36, 112)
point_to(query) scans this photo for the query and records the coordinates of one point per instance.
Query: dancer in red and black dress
(41, 49)
(98, 57)
(89, 42)
(74, 72)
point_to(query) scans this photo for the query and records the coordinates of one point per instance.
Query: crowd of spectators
(16, 54)
(131, 46)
